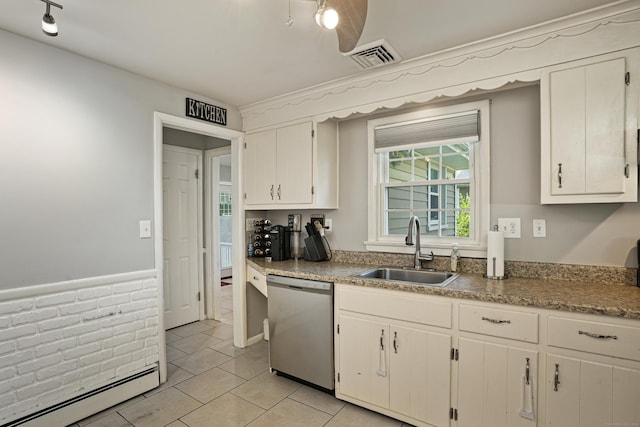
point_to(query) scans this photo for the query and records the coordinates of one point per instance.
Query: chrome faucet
(414, 223)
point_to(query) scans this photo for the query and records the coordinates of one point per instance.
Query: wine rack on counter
(260, 239)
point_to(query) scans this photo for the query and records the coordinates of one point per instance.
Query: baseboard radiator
(84, 405)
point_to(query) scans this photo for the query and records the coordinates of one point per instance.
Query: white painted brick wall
(58, 345)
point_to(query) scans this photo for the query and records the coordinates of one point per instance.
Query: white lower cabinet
(593, 372)
(421, 370)
(497, 385)
(403, 355)
(583, 393)
(399, 368)
(363, 360)
(396, 367)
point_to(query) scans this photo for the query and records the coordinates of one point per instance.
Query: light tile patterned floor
(212, 383)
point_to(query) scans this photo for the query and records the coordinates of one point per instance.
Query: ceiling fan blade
(353, 14)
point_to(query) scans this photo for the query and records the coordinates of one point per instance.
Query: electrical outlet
(328, 224)
(249, 224)
(510, 227)
(539, 228)
(317, 217)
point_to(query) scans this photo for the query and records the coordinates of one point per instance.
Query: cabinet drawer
(257, 279)
(409, 308)
(594, 337)
(499, 323)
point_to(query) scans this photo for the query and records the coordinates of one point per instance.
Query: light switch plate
(145, 229)
(539, 228)
(510, 227)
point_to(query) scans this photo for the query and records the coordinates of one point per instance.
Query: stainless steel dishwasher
(300, 316)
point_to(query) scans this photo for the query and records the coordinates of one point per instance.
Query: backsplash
(538, 270)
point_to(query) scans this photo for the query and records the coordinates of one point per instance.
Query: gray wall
(196, 141)
(576, 234)
(76, 170)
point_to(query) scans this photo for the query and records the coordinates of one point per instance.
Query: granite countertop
(611, 299)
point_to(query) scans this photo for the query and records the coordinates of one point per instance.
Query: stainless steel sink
(416, 277)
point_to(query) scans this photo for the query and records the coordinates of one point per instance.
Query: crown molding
(489, 64)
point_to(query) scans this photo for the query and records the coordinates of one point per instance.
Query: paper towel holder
(494, 269)
(495, 228)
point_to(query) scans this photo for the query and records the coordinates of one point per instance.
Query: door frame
(212, 224)
(201, 271)
(161, 120)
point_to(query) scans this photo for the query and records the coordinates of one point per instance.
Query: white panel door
(295, 164)
(568, 149)
(260, 168)
(363, 360)
(493, 391)
(181, 263)
(420, 374)
(587, 129)
(605, 125)
(582, 393)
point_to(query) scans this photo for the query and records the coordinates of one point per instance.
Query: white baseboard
(256, 339)
(96, 403)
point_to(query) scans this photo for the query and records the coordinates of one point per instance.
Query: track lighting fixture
(326, 17)
(49, 26)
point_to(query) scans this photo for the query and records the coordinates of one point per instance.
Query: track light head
(49, 26)
(326, 17)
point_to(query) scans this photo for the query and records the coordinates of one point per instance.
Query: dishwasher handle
(298, 284)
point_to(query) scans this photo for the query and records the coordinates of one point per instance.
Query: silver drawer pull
(602, 337)
(559, 175)
(255, 278)
(556, 378)
(495, 320)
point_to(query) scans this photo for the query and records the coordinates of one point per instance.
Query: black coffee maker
(280, 243)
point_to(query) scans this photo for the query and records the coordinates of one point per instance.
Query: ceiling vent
(374, 54)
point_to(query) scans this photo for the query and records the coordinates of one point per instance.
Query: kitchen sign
(207, 112)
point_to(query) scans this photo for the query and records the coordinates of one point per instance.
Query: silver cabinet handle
(602, 337)
(526, 372)
(495, 320)
(255, 278)
(272, 186)
(395, 342)
(382, 339)
(559, 175)
(279, 198)
(556, 378)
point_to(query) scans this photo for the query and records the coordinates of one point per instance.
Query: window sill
(467, 251)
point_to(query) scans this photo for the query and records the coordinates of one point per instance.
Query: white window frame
(473, 246)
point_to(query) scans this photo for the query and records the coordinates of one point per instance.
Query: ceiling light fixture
(326, 17)
(49, 26)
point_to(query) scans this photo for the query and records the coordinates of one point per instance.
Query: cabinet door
(492, 386)
(260, 168)
(420, 374)
(567, 131)
(582, 393)
(586, 156)
(295, 164)
(587, 129)
(363, 360)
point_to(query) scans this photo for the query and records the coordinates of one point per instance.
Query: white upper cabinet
(589, 118)
(292, 167)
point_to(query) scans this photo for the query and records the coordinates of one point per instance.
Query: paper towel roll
(495, 249)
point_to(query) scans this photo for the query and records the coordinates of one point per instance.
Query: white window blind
(464, 125)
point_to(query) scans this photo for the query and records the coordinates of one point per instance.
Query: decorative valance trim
(488, 64)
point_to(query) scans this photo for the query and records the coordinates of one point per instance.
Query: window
(432, 164)
(225, 204)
